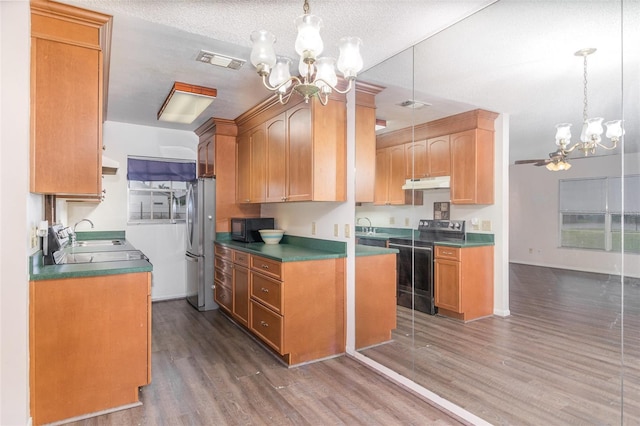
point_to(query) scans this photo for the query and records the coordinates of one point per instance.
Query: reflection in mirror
(561, 344)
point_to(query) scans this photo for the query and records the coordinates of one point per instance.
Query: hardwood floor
(206, 371)
(556, 360)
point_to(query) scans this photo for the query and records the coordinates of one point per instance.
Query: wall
(15, 218)
(535, 219)
(163, 244)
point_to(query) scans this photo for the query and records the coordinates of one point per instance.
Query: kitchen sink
(91, 243)
(102, 256)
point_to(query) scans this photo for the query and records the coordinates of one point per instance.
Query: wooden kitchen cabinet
(304, 158)
(206, 157)
(428, 158)
(251, 167)
(89, 344)
(68, 59)
(285, 301)
(464, 281)
(390, 176)
(365, 158)
(376, 299)
(472, 164)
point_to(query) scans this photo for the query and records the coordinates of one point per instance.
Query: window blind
(152, 169)
(583, 195)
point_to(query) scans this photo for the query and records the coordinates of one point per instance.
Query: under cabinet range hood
(438, 182)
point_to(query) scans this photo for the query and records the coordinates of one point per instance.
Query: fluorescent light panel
(380, 124)
(186, 102)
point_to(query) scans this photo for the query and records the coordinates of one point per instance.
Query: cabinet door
(202, 159)
(276, 156)
(447, 285)
(258, 182)
(210, 169)
(438, 156)
(299, 157)
(463, 167)
(241, 294)
(416, 160)
(380, 196)
(396, 175)
(66, 124)
(365, 153)
(243, 168)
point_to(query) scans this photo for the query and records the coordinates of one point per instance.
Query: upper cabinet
(428, 158)
(69, 53)
(297, 152)
(460, 146)
(365, 141)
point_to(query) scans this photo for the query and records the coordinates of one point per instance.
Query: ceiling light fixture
(186, 102)
(380, 124)
(412, 104)
(317, 74)
(590, 137)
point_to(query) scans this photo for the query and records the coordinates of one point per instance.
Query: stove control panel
(441, 225)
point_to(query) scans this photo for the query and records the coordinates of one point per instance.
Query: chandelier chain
(584, 112)
(305, 7)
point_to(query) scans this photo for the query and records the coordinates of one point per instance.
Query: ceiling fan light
(262, 52)
(308, 41)
(350, 60)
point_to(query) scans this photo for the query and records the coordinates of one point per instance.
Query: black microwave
(246, 229)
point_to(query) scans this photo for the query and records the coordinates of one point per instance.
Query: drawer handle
(264, 290)
(447, 252)
(265, 266)
(264, 324)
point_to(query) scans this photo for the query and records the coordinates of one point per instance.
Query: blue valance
(159, 170)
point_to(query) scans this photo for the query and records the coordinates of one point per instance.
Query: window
(157, 189)
(600, 213)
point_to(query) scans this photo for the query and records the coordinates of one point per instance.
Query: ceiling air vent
(413, 104)
(220, 60)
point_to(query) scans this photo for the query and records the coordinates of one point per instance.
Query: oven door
(415, 280)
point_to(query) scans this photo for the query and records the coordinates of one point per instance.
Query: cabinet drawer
(223, 265)
(224, 252)
(267, 325)
(452, 253)
(267, 290)
(269, 267)
(223, 297)
(241, 258)
(223, 278)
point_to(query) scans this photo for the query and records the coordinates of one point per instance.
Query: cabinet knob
(247, 200)
(265, 266)
(264, 324)
(264, 290)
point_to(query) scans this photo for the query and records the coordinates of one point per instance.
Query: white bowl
(271, 236)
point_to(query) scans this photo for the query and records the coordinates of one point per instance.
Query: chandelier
(591, 136)
(317, 74)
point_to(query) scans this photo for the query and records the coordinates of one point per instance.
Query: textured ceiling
(513, 56)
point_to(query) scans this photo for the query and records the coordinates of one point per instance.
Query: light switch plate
(336, 231)
(347, 230)
(313, 228)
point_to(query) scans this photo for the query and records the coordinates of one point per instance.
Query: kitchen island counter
(290, 249)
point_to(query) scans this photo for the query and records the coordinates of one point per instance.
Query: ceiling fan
(557, 160)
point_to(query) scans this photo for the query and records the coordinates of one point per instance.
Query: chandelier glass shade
(317, 75)
(591, 134)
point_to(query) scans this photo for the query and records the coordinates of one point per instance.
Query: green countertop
(290, 249)
(39, 271)
(362, 250)
(472, 240)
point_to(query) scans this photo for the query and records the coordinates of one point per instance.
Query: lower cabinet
(295, 308)
(89, 343)
(376, 301)
(464, 281)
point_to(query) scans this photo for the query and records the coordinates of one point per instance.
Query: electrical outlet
(347, 230)
(407, 221)
(34, 237)
(485, 225)
(336, 232)
(313, 228)
(392, 220)
(530, 251)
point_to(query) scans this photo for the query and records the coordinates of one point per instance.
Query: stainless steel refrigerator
(201, 233)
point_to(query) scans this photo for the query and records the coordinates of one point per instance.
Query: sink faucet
(73, 234)
(366, 229)
(83, 220)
